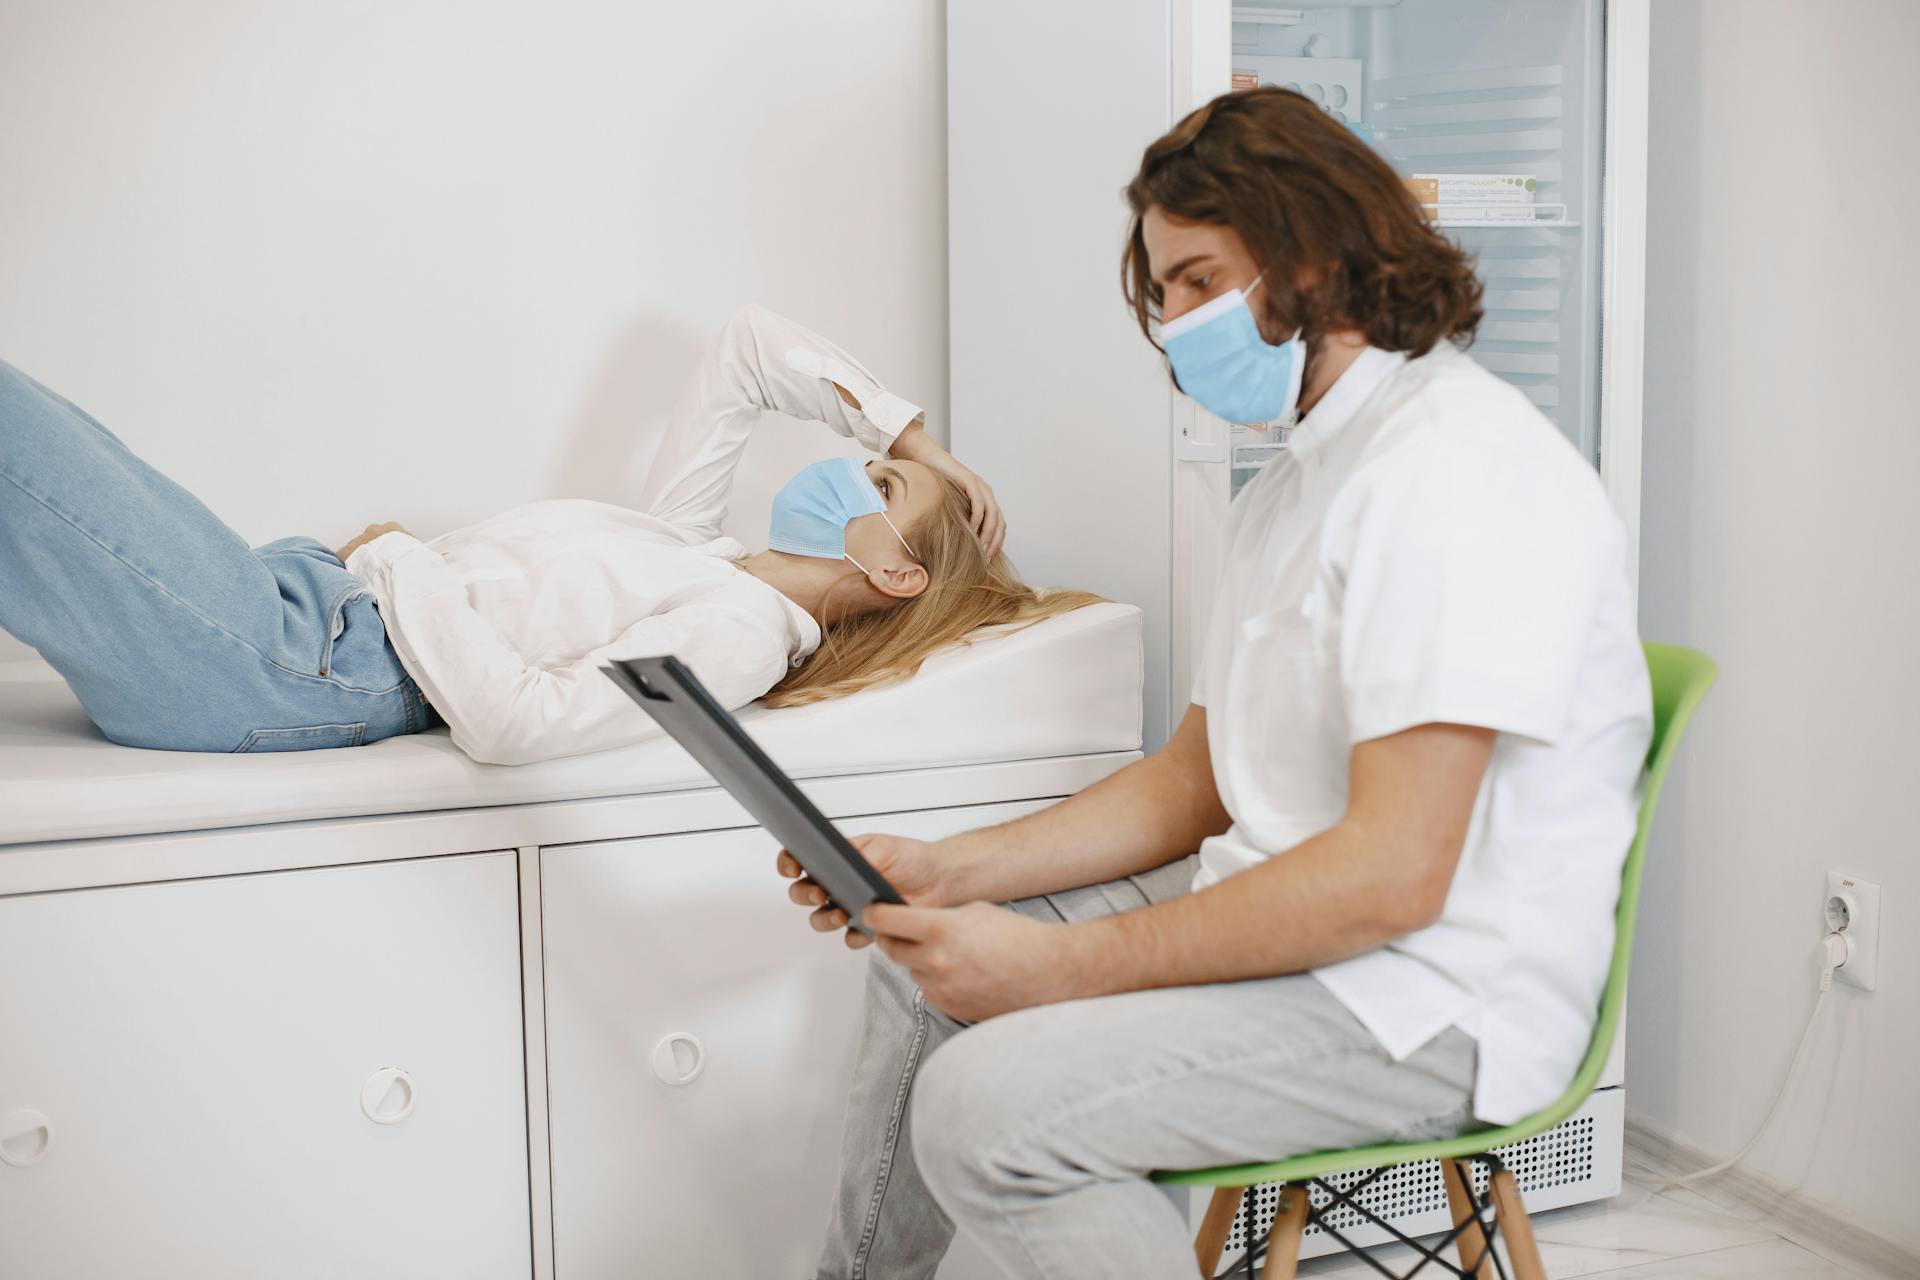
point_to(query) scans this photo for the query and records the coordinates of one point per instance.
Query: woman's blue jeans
(172, 632)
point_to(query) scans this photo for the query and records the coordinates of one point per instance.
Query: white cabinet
(200, 1051)
(699, 1042)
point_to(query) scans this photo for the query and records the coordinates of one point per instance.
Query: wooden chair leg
(1472, 1241)
(1217, 1225)
(1283, 1245)
(1511, 1214)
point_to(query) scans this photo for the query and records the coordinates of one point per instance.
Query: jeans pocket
(336, 623)
(314, 737)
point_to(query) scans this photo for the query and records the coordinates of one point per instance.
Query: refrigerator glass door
(1498, 105)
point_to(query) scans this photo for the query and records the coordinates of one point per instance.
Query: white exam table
(540, 1020)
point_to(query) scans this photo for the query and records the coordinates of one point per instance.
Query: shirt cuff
(1376, 711)
(891, 415)
(384, 549)
(888, 413)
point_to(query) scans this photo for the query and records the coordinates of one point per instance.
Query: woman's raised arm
(760, 362)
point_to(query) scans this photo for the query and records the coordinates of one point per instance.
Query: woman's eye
(884, 491)
(1201, 282)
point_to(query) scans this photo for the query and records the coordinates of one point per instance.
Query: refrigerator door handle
(1187, 444)
(1187, 449)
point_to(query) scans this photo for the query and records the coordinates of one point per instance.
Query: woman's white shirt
(506, 623)
(1429, 549)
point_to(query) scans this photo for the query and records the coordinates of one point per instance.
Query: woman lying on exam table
(174, 634)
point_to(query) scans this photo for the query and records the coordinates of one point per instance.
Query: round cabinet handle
(679, 1058)
(25, 1137)
(388, 1095)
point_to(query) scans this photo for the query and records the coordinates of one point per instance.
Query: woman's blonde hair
(965, 592)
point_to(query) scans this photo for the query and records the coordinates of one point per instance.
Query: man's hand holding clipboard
(908, 865)
(972, 961)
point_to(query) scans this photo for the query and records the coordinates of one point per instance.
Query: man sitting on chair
(1409, 771)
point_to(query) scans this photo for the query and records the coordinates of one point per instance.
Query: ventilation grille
(1561, 1155)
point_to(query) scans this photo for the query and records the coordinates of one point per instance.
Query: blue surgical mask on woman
(810, 514)
(1221, 360)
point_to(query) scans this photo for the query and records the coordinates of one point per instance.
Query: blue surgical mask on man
(1220, 359)
(810, 514)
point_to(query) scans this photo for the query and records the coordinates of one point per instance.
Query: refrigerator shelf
(1482, 224)
(1558, 219)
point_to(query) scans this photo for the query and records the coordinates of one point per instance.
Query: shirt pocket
(1286, 766)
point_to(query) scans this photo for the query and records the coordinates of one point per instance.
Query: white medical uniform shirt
(506, 623)
(1430, 549)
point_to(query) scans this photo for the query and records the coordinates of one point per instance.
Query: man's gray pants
(1035, 1131)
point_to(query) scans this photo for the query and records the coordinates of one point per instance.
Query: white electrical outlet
(1853, 906)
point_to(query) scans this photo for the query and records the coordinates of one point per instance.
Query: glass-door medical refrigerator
(1522, 126)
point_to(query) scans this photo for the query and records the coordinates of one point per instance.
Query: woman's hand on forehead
(985, 518)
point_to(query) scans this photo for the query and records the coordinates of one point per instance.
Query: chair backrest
(1681, 678)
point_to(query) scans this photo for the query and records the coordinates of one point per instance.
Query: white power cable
(1834, 950)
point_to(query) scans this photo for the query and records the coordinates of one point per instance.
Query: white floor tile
(1632, 1230)
(1676, 1233)
(1344, 1266)
(1764, 1261)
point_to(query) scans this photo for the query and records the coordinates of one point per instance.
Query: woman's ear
(901, 582)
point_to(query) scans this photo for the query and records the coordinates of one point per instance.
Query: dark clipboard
(681, 705)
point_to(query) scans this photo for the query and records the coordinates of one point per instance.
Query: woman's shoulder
(767, 609)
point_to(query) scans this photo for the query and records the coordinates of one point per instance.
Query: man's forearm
(1151, 812)
(1330, 898)
(1383, 871)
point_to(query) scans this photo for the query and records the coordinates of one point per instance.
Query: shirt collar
(803, 632)
(1344, 398)
(806, 633)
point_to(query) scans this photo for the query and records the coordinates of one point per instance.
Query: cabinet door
(679, 958)
(200, 1052)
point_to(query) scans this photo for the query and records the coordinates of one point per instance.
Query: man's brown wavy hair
(1313, 200)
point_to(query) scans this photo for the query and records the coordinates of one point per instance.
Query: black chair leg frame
(1339, 1198)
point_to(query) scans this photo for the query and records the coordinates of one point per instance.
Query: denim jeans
(171, 631)
(1034, 1132)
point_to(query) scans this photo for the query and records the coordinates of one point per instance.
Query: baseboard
(1800, 1219)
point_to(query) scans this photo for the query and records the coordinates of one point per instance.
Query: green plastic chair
(1681, 678)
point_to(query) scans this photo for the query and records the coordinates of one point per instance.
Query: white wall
(1782, 535)
(330, 263)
